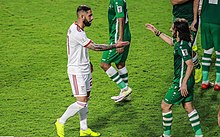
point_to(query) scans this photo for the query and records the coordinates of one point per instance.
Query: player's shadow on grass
(121, 116)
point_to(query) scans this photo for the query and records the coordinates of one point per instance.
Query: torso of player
(210, 11)
(78, 57)
(184, 10)
(182, 52)
(118, 9)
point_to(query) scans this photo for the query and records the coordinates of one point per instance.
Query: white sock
(83, 113)
(71, 111)
(111, 71)
(124, 71)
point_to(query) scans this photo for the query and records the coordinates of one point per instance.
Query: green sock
(217, 80)
(114, 75)
(167, 122)
(206, 62)
(217, 66)
(195, 122)
(205, 75)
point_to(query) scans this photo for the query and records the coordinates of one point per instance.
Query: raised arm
(163, 36)
(174, 2)
(102, 47)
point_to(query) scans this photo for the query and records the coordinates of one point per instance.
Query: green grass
(34, 87)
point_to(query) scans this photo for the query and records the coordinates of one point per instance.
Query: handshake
(121, 44)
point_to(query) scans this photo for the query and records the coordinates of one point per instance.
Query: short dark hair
(182, 26)
(82, 8)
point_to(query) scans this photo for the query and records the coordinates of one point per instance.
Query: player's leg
(123, 72)
(107, 58)
(172, 96)
(167, 118)
(77, 83)
(83, 113)
(217, 66)
(193, 118)
(114, 75)
(215, 31)
(207, 45)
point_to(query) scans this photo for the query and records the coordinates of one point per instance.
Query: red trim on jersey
(88, 44)
(75, 85)
(78, 27)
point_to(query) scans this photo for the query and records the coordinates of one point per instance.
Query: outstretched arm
(163, 36)
(102, 47)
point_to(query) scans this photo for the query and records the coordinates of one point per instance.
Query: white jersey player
(79, 70)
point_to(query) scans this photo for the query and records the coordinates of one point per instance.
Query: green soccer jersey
(211, 11)
(118, 9)
(184, 10)
(182, 53)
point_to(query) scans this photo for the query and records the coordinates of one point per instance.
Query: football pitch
(34, 86)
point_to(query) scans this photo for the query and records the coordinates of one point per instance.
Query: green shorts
(173, 95)
(210, 36)
(110, 56)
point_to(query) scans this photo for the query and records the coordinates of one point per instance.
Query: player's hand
(183, 90)
(192, 26)
(120, 50)
(150, 27)
(120, 44)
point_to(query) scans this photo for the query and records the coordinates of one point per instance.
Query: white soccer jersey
(78, 57)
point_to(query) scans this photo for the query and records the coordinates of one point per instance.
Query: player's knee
(188, 107)
(120, 65)
(165, 107)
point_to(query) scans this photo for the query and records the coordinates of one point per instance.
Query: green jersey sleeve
(119, 8)
(185, 51)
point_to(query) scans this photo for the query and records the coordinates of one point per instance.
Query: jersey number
(213, 1)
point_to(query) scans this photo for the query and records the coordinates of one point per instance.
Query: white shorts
(80, 84)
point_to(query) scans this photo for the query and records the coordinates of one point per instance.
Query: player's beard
(87, 23)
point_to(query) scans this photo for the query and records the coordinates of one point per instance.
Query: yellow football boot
(60, 128)
(198, 75)
(89, 132)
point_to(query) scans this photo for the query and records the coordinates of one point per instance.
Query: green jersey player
(210, 36)
(181, 90)
(118, 31)
(188, 9)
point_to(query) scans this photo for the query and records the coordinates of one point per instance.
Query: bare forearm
(166, 38)
(195, 9)
(102, 47)
(174, 2)
(189, 71)
(121, 29)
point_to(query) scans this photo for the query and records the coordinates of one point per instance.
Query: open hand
(150, 27)
(183, 90)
